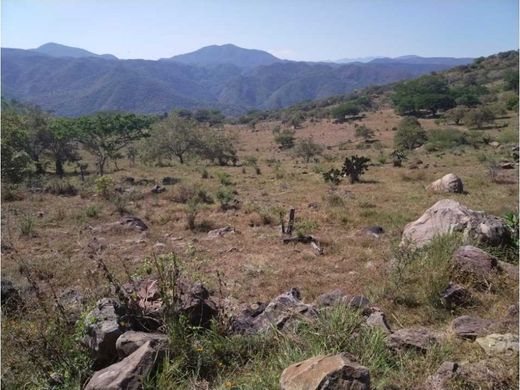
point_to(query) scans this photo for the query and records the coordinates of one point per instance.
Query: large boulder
(469, 327)
(131, 341)
(332, 372)
(279, 313)
(495, 344)
(102, 329)
(419, 339)
(474, 262)
(130, 372)
(448, 216)
(448, 183)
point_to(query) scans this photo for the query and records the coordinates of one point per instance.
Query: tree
(107, 133)
(410, 134)
(354, 167)
(61, 143)
(15, 160)
(37, 127)
(174, 136)
(284, 139)
(477, 117)
(217, 146)
(511, 80)
(430, 93)
(455, 115)
(306, 148)
(341, 112)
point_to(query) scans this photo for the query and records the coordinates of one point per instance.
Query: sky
(291, 29)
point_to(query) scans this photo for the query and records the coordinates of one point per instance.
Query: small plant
(511, 220)
(332, 176)
(306, 148)
(226, 198)
(398, 157)
(192, 209)
(204, 174)
(27, 225)
(364, 132)
(104, 186)
(60, 187)
(285, 139)
(224, 178)
(354, 167)
(92, 211)
(121, 203)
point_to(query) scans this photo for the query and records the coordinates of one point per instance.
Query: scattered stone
(378, 320)
(279, 313)
(420, 339)
(494, 144)
(169, 181)
(133, 222)
(338, 297)
(375, 231)
(157, 189)
(314, 205)
(495, 344)
(484, 374)
(102, 329)
(130, 372)
(445, 372)
(508, 269)
(471, 327)
(131, 341)
(448, 216)
(332, 372)
(507, 165)
(221, 232)
(129, 180)
(11, 299)
(474, 262)
(456, 296)
(73, 302)
(448, 183)
(196, 304)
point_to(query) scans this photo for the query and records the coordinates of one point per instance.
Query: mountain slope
(411, 59)
(56, 50)
(83, 85)
(226, 54)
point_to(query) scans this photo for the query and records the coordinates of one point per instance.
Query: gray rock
(471, 327)
(338, 297)
(130, 341)
(10, 295)
(157, 189)
(332, 372)
(102, 330)
(378, 320)
(129, 373)
(445, 372)
(475, 263)
(221, 232)
(133, 222)
(496, 344)
(375, 231)
(456, 296)
(448, 216)
(169, 181)
(73, 302)
(484, 374)
(419, 339)
(448, 183)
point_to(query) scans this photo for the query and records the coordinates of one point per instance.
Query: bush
(364, 132)
(226, 198)
(341, 112)
(104, 186)
(192, 209)
(60, 187)
(353, 167)
(410, 134)
(306, 148)
(443, 139)
(285, 139)
(92, 211)
(477, 117)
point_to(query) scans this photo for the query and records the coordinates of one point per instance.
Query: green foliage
(226, 198)
(192, 209)
(15, 160)
(104, 186)
(332, 176)
(477, 117)
(58, 186)
(512, 224)
(427, 93)
(364, 132)
(511, 80)
(512, 103)
(443, 139)
(348, 109)
(455, 115)
(217, 146)
(304, 227)
(354, 167)
(285, 139)
(92, 211)
(27, 225)
(410, 134)
(224, 178)
(306, 148)
(398, 156)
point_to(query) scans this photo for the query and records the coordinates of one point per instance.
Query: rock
(11, 299)
(130, 341)
(495, 344)
(448, 216)
(73, 302)
(485, 374)
(448, 183)
(507, 165)
(332, 372)
(129, 373)
(157, 189)
(279, 313)
(456, 296)
(196, 304)
(471, 327)
(221, 232)
(169, 181)
(474, 262)
(97, 244)
(129, 180)
(445, 372)
(512, 311)
(375, 231)
(144, 182)
(314, 205)
(508, 269)
(378, 320)
(133, 222)
(338, 297)
(420, 339)
(102, 330)
(494, 144)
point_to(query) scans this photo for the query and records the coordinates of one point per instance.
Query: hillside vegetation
(183, 221)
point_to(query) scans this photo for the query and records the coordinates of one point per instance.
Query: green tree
(341, 112)
(61, 143)
(306, 148)
(364, 132)
(511, 80)
(477, 117)
(285, 139)
(107, 133)
(410, 134)
(455, 115)
(217, 146)
(15, 160)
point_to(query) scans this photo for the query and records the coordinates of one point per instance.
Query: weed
(27, 225)
(92, 211)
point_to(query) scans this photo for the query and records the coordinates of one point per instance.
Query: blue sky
(297, 30)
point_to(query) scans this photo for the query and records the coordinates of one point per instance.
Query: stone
(419, 339)
(494, 144)
(474, 262)
(157, 189)
(133, 222)
(456, 296)
(169, 181)
(220, 232)
(375, 231)
(496, 344)
(196, 304)
(331, 372)
(338, 297)
(471, 327)
(102, 330)
(131, 341)
(508, 269)
(130, 372)
(129, 180)
(507, 165)
(10, 295)
(378, 320)
(73, 302)
(448, 183)
(485, 374)
(444, 373)
(279, 313)
(448, 216)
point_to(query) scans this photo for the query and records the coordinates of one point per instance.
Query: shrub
(341, 112)
(224, 178)
(226, 198)
(410, 134)
(306, 148)
(398, 156)
(477, 117)
(104, 186)
(364, 132)
(353, 167)
(27, 225)
(92, 211)
(60, 187)
(332, 176)
(192, 209)
(443, 139)
(285, 139)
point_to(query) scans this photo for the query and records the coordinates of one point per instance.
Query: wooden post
(290, 225)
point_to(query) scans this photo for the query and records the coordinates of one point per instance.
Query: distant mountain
(83, 84)
(411, 59)
(359, 59)
(226, 54)
(57, 50)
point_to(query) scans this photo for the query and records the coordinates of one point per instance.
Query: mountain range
(71, 81)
